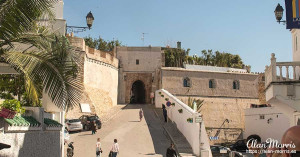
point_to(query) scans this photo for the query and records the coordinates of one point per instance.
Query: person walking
(171, 151)
(115, 148)
(93, 127)
(165, 113)
(141, 114)
(98, 148)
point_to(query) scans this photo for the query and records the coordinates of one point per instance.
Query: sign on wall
(85, 108)
(292, 14)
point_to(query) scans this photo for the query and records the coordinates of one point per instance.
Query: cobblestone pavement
(136, 139)
(182, 145)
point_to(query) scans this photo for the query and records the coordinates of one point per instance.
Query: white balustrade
(271, 74)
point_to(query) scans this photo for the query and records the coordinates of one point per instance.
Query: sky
(246, 28)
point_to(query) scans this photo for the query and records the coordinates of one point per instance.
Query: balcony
(282, 85)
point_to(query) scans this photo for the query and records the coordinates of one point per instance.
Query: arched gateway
(138, 93)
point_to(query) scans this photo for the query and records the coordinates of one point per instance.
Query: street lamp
(279, 13)
(76, 29)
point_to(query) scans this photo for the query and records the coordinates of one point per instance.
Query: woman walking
(115, 148)
(141, 114)
(98, 148)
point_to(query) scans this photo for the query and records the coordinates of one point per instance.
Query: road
(135, 138)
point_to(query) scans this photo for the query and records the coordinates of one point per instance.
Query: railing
(281, 71)
(185, 119)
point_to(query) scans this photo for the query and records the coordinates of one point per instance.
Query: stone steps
(182, 146)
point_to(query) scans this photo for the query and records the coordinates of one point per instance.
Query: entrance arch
(138, 93)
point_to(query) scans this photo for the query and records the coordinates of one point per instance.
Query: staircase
(182, 146)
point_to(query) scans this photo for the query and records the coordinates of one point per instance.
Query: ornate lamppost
(279, 13)
(76, 29)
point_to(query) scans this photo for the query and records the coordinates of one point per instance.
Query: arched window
(212, 83)
(186, 82)
(236, 84)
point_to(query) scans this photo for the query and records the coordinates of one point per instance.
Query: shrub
(13, 105)
(180, 110)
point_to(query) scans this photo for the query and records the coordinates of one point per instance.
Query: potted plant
(173, 104)
(162, 95)
(9, 108)
(180, 110)
(190, 120)
(159, 92)
(167, 99)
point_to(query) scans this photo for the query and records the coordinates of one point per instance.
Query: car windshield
(93, 118)
(74, 120)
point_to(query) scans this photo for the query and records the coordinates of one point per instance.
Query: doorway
(137, 93)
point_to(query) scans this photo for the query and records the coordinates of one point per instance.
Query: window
(236, 84)
(261, 116)
(186, 82)
(212, 83)
(137, 62)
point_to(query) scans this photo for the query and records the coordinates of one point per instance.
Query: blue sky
(247, 28)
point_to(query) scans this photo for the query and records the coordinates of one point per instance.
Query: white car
(73, 125)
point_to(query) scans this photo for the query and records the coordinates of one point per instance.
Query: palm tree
(47, 61)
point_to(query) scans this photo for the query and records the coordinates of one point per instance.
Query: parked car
(87, 119)
(239, 146)
(219, 151)
(66, 136)
(73, 125)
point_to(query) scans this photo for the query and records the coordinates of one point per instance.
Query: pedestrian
(115, 148)
(165, 113)
(98, 148)
(93, 127)
(171, 151)
(141, 114)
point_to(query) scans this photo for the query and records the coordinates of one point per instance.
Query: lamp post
(279, 13)
(76, 29)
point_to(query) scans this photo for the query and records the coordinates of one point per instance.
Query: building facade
(225, 96)
(139, 73)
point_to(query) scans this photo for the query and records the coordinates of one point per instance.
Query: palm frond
(59, 70)
(33, 90)
(19, 16)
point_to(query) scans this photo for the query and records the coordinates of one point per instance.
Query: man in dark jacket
(165, 113)
(171, 151)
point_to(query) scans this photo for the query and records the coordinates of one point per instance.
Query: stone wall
(220, 103)
(100, 79)
(31, 143)
(216, 110)
(172, 80)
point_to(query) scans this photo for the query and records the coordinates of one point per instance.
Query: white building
(282, 83)
(266, 122)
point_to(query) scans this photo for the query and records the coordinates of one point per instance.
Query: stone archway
(138, 93)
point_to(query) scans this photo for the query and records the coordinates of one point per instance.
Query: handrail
(186, 107)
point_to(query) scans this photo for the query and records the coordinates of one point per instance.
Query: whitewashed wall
(274, 129)
(189, 130)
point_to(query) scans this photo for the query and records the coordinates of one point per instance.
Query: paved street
(136, 139)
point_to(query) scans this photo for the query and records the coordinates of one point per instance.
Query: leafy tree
(44, 57)
(175, 57)
(101, 44)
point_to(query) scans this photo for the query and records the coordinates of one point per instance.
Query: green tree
(101, 44)
(175, 57)
(44, 57)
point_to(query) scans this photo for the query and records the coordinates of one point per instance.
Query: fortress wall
(100, 79)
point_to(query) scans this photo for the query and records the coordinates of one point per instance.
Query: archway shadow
(138, 92)
(159, 136)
